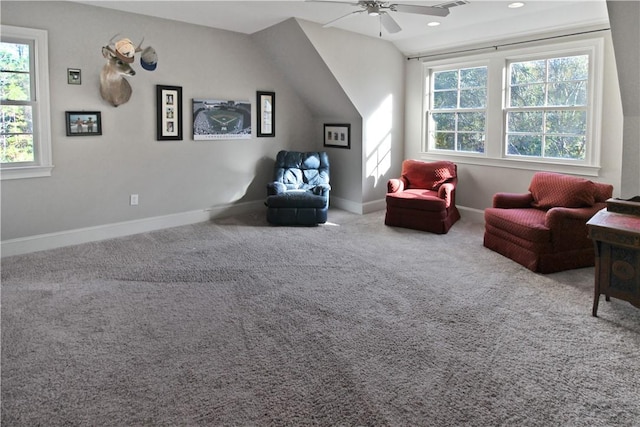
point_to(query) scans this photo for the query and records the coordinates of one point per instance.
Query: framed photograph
(216, 119)
(169, 113)
(266, 102)
(83, 123)
(337, 135)
(74, 76)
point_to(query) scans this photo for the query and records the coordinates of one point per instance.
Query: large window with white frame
(525, 106)
(457, 117)
(25, 135)
(546, 107)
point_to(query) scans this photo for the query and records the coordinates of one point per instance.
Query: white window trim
(42, 126)
(494, 154)
(427, 146)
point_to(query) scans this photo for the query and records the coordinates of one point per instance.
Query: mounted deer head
(114, 88)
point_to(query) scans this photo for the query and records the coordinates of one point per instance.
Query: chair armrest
(512, 200)
(275, 188)
(555, 216)
(569, 225)
(447, 192)
(395, 185)
(321, 190)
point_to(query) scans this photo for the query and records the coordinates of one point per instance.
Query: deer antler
(112, 38)
(139, 47)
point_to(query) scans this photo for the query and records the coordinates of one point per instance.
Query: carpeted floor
(352, 323)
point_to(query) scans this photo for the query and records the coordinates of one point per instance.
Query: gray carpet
(238, 323)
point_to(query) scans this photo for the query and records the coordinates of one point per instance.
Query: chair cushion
(527, 223)
(418, 199)
(296, 199)
(603, 192)
(429, 175)
(557, 190)
(301, 170)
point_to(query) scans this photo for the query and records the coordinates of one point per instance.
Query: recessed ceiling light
(433, 24)
(516, 5)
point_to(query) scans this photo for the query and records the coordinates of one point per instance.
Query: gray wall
(625, 32)
(375, 85)
(342, 82)
(305, 70)
(94, 176)
(319, 75)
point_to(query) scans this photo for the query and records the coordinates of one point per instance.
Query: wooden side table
(616, 237)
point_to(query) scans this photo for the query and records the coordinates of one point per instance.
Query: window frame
(497, 92)
(431, 110)
(41, 114)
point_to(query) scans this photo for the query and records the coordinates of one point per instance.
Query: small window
(25, 140)
(457, 117)
(546, 114)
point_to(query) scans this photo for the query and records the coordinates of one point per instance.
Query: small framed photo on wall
(169, 113)
(266, 102)
(74, 76)
(337, 135)
(83, 123)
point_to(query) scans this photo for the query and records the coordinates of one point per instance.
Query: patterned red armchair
(545, 229)
(424, 197)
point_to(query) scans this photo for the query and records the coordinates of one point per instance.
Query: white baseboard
(358, 208)
(345, 205)
(375, 206)
(472, 214)
(77, 236)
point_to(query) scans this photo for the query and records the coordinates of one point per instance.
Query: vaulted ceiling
(474, 22)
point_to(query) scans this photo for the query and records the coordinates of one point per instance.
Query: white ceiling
(477, 21)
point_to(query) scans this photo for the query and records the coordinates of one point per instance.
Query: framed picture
(217, 119)
(74, 76)
(266, 102)
(83, 123)
(169, 113)
(337, 135)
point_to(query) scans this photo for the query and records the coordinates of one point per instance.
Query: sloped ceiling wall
(290, 49)
(299, 62)
(624, 17)
(347, 78)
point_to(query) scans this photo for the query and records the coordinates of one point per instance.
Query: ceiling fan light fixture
(433, 24)
(373, 11)
(515, 5)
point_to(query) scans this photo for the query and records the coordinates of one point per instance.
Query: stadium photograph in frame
(216, 119)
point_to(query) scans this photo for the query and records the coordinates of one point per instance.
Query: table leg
(596, 287)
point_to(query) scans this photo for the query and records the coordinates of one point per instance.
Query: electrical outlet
(133, 200)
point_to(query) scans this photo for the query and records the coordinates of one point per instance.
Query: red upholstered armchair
(545, 229)
(424, 197)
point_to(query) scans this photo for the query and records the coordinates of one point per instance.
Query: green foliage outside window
(16, 112)
(547, 111)
(458, 115)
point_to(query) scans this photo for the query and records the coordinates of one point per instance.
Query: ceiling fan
(381, 9)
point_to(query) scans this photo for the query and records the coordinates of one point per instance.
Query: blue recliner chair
(299, 193)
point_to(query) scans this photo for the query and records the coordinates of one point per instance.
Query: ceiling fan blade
(349, 3)
(389, 23)
(422, 10)
(335, 21)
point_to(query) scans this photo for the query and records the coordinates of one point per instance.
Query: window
(525, 107)
(457, 117)
(25, 140)
(546, 113)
